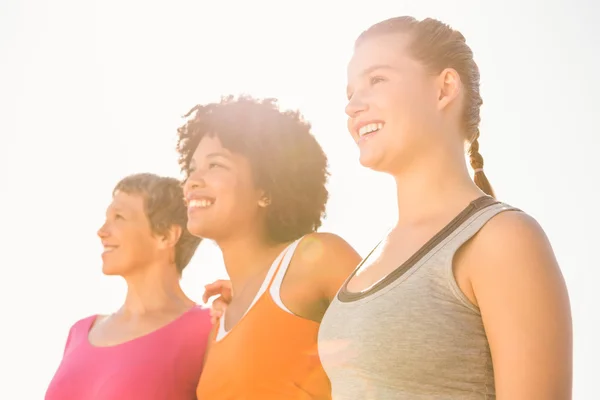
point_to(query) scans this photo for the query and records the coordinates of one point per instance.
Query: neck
(436, 187)
(247, 256)
(154, 289)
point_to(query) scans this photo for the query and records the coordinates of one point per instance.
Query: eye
(376, 79)
(119, 216)
(215, 165)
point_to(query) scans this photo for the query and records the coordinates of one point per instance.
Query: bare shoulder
(510, 239)
(321, 249)
(512, 247)
(98, 319)
(328, 258)
(505, 224)
(519, 288)
(91, 321)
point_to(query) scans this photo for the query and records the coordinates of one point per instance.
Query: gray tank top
(413, 335)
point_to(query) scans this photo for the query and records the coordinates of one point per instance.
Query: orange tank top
(270, 354)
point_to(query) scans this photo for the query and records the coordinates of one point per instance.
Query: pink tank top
(162, 365)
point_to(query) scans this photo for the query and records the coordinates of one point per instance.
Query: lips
(367, 129)
(197, 202)
(108, 248)
(201, 203)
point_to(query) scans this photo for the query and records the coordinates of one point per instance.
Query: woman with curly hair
(255, 184)
(463, 298)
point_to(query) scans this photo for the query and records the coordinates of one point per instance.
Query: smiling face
(126, 236)
(221, 194)
(392, 103)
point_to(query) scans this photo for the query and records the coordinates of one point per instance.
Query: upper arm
(331, 261)
(525, 308)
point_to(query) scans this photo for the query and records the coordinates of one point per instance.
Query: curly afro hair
(287, 161)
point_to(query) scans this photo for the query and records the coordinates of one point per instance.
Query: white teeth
(201, 203)
(109, 248)
(370, 128)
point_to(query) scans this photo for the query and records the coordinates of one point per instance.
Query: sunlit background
(91, 91)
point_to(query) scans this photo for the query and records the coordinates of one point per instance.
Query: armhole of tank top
(487, 214)
(221, 332)
(275, 288)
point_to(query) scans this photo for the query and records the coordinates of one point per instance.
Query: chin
(201, 230)
(371, 161)
(390, 162)
(110, 269)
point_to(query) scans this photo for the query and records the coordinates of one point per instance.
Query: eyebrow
(114, 209)
(375, 67)
(217, 154)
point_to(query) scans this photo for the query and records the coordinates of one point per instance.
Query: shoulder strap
(275, 285)
(285, 263)
(474, 224)
(222, 332)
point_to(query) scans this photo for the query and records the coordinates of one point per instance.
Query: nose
(194, 181)
(356, 105)
(103, 231)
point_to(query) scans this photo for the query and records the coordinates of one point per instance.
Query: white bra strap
(263, 288)
(275, 286)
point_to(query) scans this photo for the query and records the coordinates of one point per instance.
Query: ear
(264, 202)
(171, 237)
(263, 199)
(449, 87)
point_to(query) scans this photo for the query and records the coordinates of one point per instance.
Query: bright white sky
(93, 91)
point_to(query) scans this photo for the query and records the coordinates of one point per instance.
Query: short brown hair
(164, 206)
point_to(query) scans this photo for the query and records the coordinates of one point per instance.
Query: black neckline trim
(476, 205)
